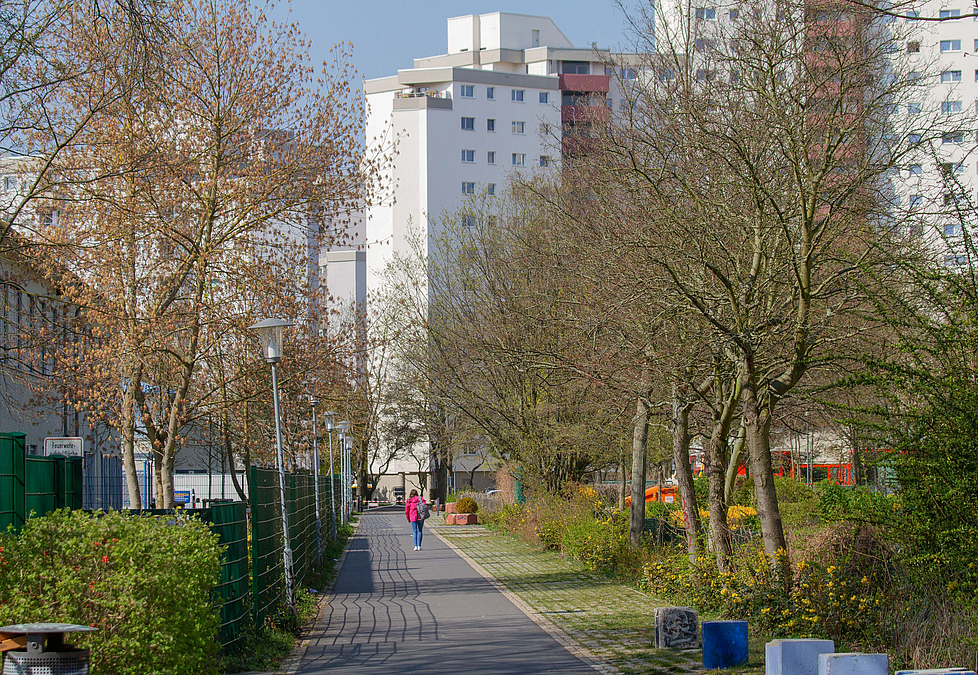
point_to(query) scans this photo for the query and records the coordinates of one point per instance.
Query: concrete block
(450, 519)
(450, 507)
(677, 628)
(724, 644)
(795, 657)
(937, 671)
(466, 519)
(853, 663)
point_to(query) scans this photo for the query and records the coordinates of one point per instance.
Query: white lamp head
(328, 419)
(343, 426)
(271, 332)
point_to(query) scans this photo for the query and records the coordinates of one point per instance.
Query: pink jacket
(411, 508)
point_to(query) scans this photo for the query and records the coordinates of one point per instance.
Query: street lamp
(271, 333)
(315, 473)
(343, 427)
(349, 469)
(328, 417)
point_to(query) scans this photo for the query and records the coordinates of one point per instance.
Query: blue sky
(388, 34)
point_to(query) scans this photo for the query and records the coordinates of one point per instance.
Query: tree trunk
(229, 454)
(128, 431)
(639, 438)
(732, 465)
(757, 422)
(716, 472)
(622, 484)
(684, 477)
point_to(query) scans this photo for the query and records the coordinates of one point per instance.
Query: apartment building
(502, 100)
(939, 181)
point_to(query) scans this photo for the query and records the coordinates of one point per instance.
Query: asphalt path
(397, 611)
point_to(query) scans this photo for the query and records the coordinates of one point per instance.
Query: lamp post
(315, 473)
(271, 333)
(342, 428)
(349, 469)
(328, 417)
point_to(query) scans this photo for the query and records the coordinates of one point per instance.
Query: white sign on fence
(66, 446)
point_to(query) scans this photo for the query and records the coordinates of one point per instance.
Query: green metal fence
(13, 511)
(33, 484)
(230, 522)
(267, 580)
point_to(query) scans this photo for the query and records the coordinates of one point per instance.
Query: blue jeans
(417, 529)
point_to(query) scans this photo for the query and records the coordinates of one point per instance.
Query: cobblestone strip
(569, 643)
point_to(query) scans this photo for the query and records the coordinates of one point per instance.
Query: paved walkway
(397, 611)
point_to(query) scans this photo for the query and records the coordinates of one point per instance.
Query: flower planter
(450, 507)
(466, 519)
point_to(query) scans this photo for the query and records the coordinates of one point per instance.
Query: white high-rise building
(944, 55)
(500, 101)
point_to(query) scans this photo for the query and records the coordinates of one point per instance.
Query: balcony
(421, 99)
(584, 113)
(585, 83)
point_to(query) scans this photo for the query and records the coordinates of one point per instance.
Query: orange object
(652, 495)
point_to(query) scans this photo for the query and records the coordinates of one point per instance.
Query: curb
(566, 641)
(292, 662)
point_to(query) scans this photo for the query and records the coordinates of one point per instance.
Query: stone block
(676, 628)
(853, 663)
(450, 507)
(937, 671)
(450, 519)
(466, 519)
(795, 657)
(724, 644)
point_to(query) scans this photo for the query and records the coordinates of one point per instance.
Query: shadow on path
(394, 610)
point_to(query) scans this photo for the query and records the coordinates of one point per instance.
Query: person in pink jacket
(411, 512)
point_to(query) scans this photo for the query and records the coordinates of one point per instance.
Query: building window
(916, 201)
(912, 15)
(955, 260)
(947, 46)
(468, 188)
(468, 156)
(702, 44)
(491, 93)
(10, 182)
(491, 189)
(952, 230)
(913, 139)
(947, 168)
(49, 218)
(544, 97)
(628, 73)
(518, 94)
(913, 108)
(491, 157)
(706, 13)
(950, 13)
(468, 220)
(949, 76)
(544, 160)
(734, 14)
(703, 75)
(467, 91)
(468, 124)
(490, 125)
(913, 47)
(950, 106)
(915, 169)
(519, 127)
(955, 137)
(519, 159)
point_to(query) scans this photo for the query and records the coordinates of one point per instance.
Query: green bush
(789, 491)
(466, 505)
(146, 583)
